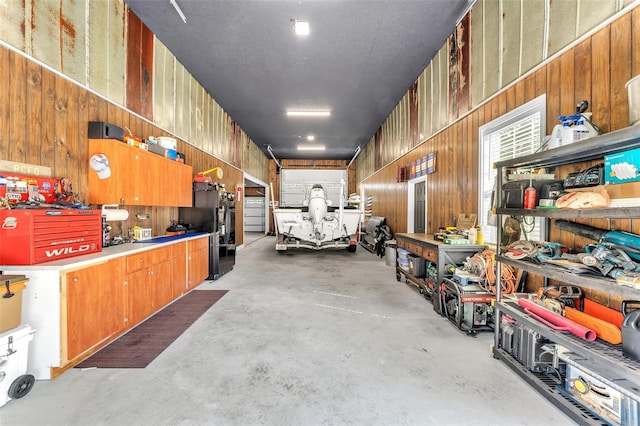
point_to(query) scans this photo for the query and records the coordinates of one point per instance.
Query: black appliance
(213, 211)
(513, 192)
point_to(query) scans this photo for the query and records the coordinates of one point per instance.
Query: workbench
(437, 255)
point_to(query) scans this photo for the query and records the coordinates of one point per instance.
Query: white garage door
(296, 183)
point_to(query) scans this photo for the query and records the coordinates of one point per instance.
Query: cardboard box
(624, 190)
(11, 307)
(622, 167)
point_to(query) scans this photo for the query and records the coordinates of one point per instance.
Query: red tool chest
(28, 237)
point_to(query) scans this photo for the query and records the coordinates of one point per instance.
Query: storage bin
(11, 286)
(402, 253)
(416, 266)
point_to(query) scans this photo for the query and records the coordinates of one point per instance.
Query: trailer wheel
(352, 248)
(21, 386)
(398, 276)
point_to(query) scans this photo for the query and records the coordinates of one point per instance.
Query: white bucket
(633, 91)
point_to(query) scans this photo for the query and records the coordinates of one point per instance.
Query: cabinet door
(140, 291)
(198, 268)
(184, 179)
(162, 284)
(120, 186)
(179, 276)
(96, 305)
(152, 179)
(179, 269)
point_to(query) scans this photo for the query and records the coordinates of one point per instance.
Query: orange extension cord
(507, 274)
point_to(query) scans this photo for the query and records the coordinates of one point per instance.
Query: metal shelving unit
(605, 359)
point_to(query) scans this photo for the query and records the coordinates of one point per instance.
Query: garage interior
(331, 340)
(408, 88)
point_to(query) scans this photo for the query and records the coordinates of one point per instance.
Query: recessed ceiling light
(310, 148)
(292, 113)
(301, 27)
(310, 137)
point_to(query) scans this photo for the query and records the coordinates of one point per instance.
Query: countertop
(107, 253)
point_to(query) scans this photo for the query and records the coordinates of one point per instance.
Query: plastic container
(580, 131)
(390, 252)
(556, 137)
(633, 92)
(14, 345)
(631, 335)
(567, 133)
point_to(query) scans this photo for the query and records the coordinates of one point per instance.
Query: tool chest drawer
(29, 237)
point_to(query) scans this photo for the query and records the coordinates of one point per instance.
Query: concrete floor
(311, 338)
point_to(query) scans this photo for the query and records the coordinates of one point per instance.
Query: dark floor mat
(144, 343)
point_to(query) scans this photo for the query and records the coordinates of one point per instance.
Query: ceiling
(358, 61)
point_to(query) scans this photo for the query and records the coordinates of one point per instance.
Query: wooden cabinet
(79, 305)
(96, 306)
(140, 285)
(151, 280)
(138, 177)
(197, 261)
(178, 269)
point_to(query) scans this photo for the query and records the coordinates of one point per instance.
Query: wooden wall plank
(5, 102)
(17, 121)
(567, 79)
(33, 116)
(553, 95)
(582, 72)
(600, 74)
(61, 115)
(635, 41)
(620, 73)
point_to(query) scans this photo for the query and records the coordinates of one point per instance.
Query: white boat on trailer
(317, 225)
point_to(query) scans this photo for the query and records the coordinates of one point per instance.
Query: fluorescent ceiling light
(175, 5)
(301, 27)
(291, 113)
(310, 137)
(310, 148)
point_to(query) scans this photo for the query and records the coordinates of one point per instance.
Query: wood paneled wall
(595, 69)
(44, 121)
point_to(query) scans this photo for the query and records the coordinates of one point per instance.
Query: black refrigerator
(213, 211)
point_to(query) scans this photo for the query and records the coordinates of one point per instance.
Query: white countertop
(107, 253)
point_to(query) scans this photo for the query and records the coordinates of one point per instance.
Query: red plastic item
(530, 198)
(555, 321)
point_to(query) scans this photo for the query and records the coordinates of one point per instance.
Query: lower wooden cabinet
(96, 306)
(197, 261)
(101, 301)
(178, 270)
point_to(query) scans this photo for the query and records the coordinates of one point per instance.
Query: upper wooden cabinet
(138, 177)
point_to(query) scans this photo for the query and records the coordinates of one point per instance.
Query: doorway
(417, 205)
(419, 210)
(256, 208)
